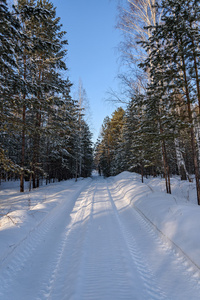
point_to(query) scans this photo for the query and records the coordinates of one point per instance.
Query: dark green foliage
(9, 34)
(40, 121)
(160, 132)
(173, 63)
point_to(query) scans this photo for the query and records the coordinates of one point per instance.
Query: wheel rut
(41, 250)
(95, 245)
(169, 270)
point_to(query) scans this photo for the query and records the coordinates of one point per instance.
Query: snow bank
(176, 216)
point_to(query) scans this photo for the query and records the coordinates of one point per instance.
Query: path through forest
(93, 245)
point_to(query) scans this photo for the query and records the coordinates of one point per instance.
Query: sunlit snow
(99, 238)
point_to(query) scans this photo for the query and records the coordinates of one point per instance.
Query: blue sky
(92, 51)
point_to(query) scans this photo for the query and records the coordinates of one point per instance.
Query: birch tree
(83, 114)
(135, 17)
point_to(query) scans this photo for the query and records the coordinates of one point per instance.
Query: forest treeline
(43, 133)
(158, 131)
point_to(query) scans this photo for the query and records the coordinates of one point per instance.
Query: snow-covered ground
(98, 238)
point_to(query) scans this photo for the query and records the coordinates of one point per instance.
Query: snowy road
(93, 245)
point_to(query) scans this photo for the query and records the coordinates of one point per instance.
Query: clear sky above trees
(92, 51)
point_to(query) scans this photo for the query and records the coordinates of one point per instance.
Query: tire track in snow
(182, 265)
(90, 251)
(105, 271)
(166, 244)
(59, 285)
(17, 261)
(171, 260)
(150, 281)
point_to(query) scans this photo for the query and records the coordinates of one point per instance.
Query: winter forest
(158, 131)
(43, 133)
(118, 218)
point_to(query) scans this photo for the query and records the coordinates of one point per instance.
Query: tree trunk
(23, 132)
(193, 144)
(36, 147)
(23, 150)
(76, 175)
(30, 179)
(195, 68)
(166, 168)
(180, 161)
(142, 172)
(165, 163)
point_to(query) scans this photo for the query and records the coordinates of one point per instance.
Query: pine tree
(109, 147)
(87, 161)
(29, 16)
(40, 60)
(141, 147)
(9, 34)
(116, 128)
(105, 148)
(40, 121)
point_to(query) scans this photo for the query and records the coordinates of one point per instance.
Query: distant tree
(108, 148)
(87, 160)
(116, 128)
(105, 147)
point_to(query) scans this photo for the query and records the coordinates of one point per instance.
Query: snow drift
(176, 216)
